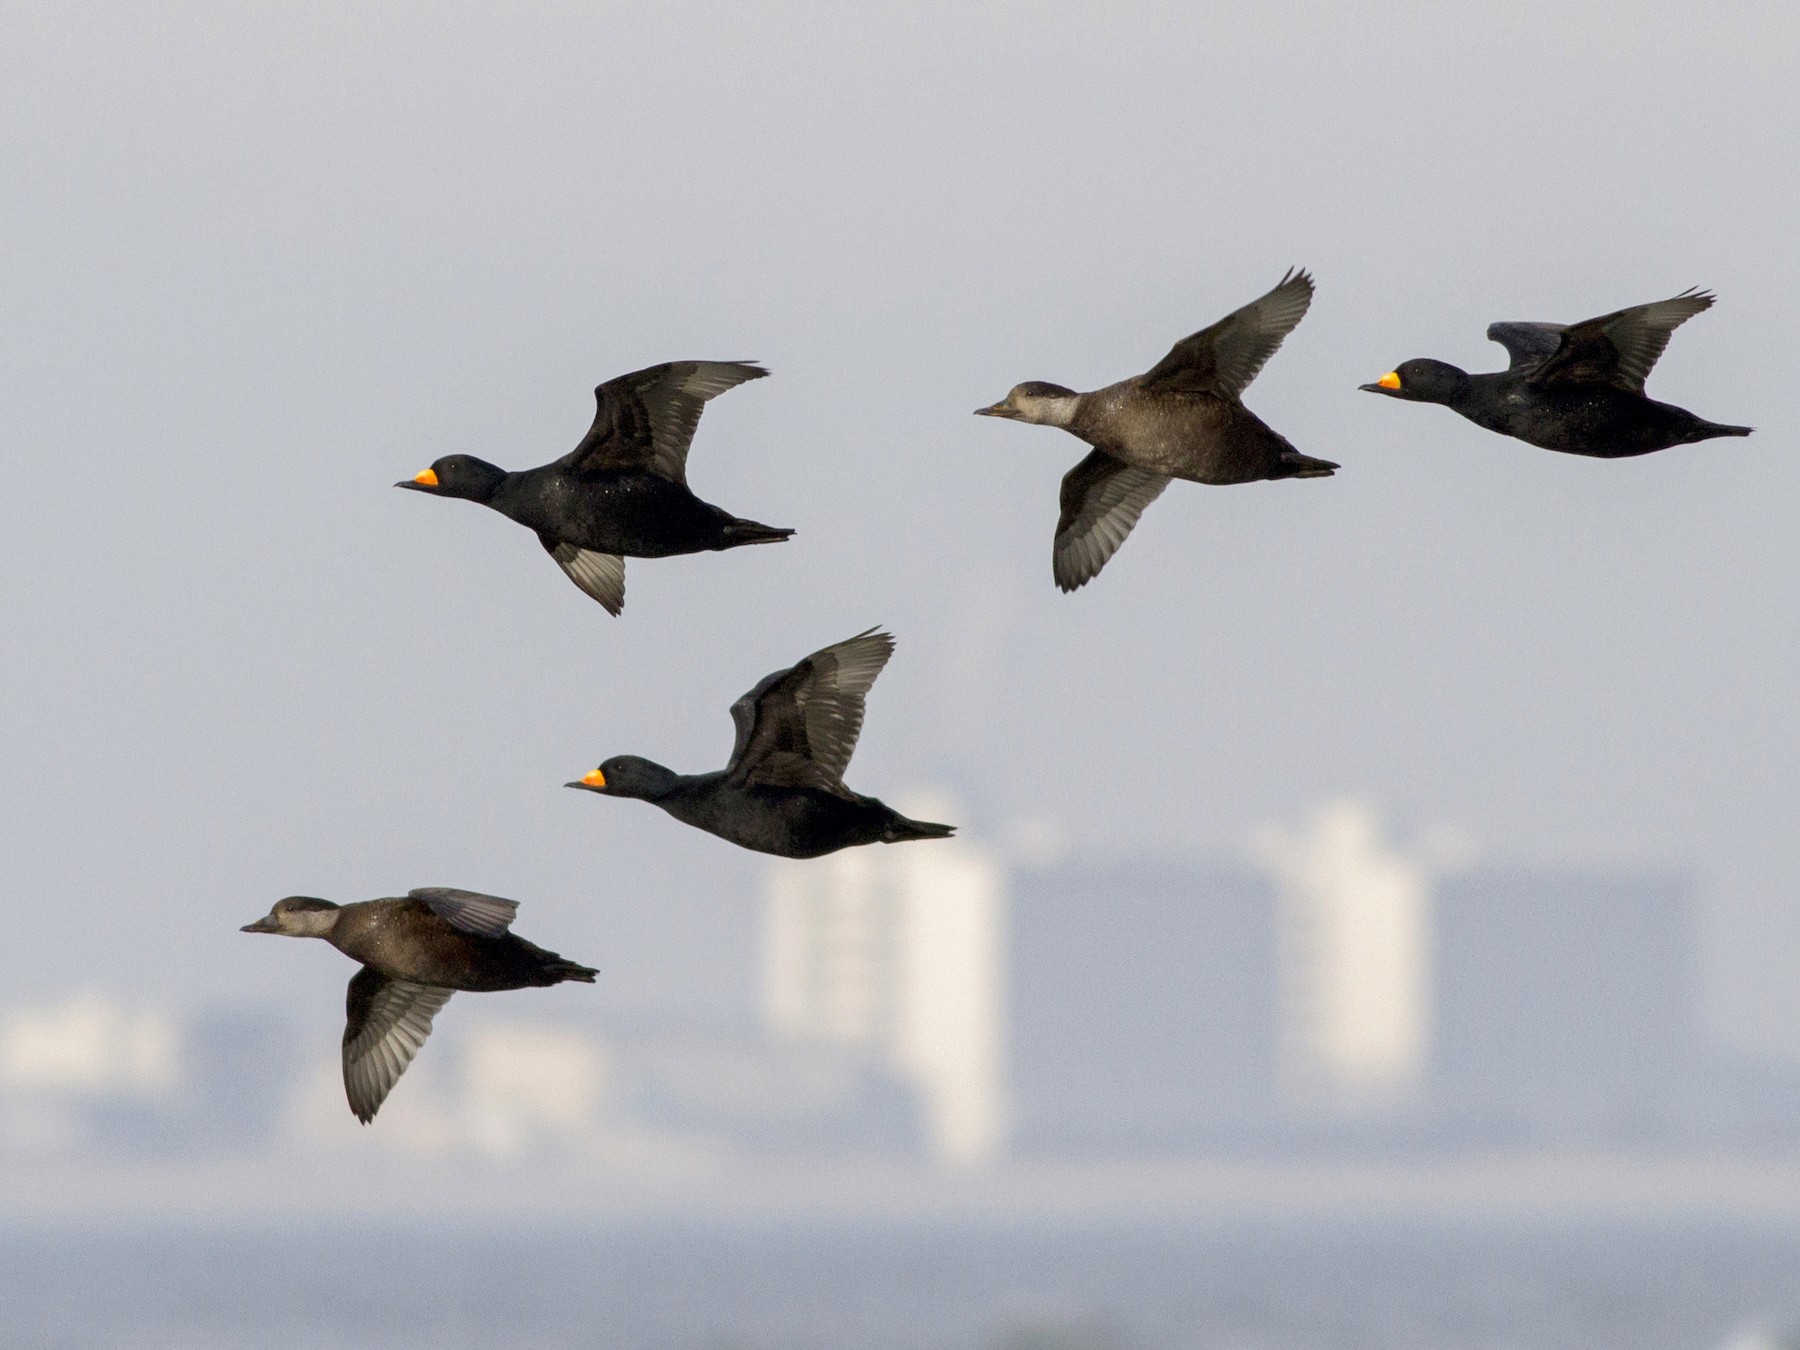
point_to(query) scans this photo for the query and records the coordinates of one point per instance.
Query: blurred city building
(96, 1071)
(1355, 924)
(896, 955)
(925, 1001)
(1144, 1008)
(1566, 1005)
(753, 1091)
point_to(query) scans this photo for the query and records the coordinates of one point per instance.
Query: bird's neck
(1050, 410)
(654, 782)
(488, 484)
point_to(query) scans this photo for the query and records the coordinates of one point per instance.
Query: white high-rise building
(899, 952)
(1355, 959)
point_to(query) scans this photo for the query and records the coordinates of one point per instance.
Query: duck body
(1186, 434)
(629, 513)
(414, 952)
(1597, 420)
(783, 791)
(787, 821)
(622, 492)
(1576, 388)
(405, 939)
(1183, 418)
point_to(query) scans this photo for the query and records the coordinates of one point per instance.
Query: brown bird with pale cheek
(1183, 418)
(416, 950)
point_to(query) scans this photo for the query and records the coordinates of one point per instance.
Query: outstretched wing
(1527, 344)
(601, 575)
(1620, 348)
(646, 420)
(471, 911)
(1223, 359)
(1102, 498)
(385, 1023)
(800, 725)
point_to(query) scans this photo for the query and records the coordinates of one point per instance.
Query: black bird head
(1422, 381)
(458, 476)
(628, 776)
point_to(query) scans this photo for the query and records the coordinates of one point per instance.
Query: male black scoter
(783, 791)
(1578, 387)
(1183, 418)
(415, 952)
(622, 493)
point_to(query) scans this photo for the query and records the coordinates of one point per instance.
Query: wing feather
(1527, 344)
(1102, 498)
(385, 1023)
(802, 723)
(471, 911)
(600, 575)
(1620, 348)
(646, 420)
(1224, 358)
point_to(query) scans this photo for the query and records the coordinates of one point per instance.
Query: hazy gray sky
(262, 264)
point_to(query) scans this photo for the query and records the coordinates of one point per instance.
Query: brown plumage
(1182, 418)
(415, 951)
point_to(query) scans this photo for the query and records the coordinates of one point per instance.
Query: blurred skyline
(932, 1033)
(263, 264)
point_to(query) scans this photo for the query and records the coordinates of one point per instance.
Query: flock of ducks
(623, 492)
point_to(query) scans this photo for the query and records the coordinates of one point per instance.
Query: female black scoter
(622, 493)
(783, 791)
(415, 952)
(1578, 387)
(1183, 418)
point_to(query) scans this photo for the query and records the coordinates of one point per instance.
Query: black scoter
(622, 493)
(1183, 418)
(416, 950)
(1578, 387)
(783, 791)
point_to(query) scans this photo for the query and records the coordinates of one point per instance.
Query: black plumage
(783, 790)
(1183, 418)
(622, 493)
(1577, 388)
(416, 950)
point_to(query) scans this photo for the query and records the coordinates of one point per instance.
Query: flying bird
(623, 492)
(783, 790)
(1577, 387)
(1183, 418)
(415, 952)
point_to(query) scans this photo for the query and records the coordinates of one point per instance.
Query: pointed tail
(749, 532)
(900, 830)
(562, 970)
(1296, 465)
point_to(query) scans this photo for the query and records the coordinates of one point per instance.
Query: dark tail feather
(1296, 465)
(900, 829)
(749, 532)
(568, 970)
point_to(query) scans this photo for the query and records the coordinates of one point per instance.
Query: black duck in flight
(1183, 418)
(622, 493)
(783, 791)
(415, 951)
(1577, 387)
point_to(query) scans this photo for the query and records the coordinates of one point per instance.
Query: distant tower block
(899, 952)
(1355, 936)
